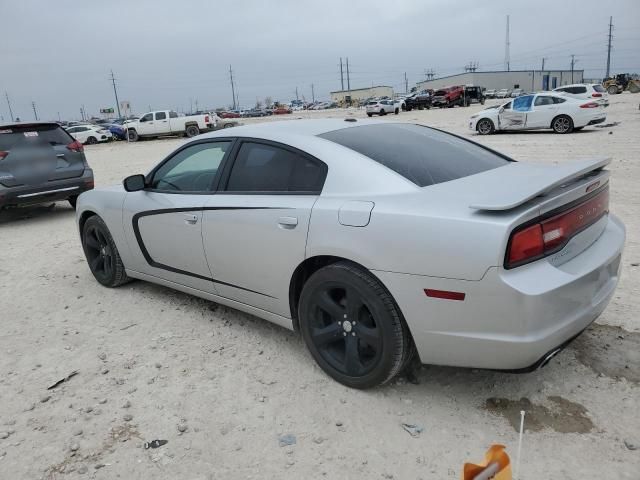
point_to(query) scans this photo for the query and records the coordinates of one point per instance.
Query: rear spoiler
(520, 182)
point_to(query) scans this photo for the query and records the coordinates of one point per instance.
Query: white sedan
(90, 134)
(539, 111)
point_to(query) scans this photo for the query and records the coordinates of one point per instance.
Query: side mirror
(134, 183)
(501, 110)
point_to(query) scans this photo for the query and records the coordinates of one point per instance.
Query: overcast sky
(172, 53)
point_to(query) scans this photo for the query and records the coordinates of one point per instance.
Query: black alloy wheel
(352, 326)
(101, 253)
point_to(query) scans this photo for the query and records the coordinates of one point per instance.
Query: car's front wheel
(92, 141)
(101, 253)
(562, 124)
(352, 326)
(132, 135)
(485, 127)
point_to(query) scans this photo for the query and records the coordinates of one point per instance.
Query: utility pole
(313, 94)
(233, 88)
(507, 60)
(406, 83)
(348, 78)
(35, 113)
(115, 92)
(341, 76)
(82, 112)
(297, 98)
(543, 59)
(59, 119)
(9, 105)
(573, 62)
(609, 47)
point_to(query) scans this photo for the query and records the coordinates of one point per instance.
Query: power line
(507, 62)
(609, 48)
(115, 92)
(233, 88)
(9, 105)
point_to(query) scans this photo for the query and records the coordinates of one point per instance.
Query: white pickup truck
(168, 122)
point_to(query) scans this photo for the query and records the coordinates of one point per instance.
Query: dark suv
(40, 162)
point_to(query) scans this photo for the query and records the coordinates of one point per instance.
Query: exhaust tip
(548, 358)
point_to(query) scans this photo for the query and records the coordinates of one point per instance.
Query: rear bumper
(511, 319)
(47, 192)
(597, 120)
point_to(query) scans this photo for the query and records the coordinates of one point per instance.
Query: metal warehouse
(358, 94)
(528, 80)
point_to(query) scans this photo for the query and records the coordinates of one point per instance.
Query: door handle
(190, 218)
(288, 222)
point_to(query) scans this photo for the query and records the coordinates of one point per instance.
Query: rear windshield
(20, 135)
(420, 154)
(598, 88)
(440, 92)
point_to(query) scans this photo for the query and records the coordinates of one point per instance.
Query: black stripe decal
(153, 263)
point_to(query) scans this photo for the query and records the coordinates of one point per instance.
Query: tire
(101, 253)
(133, 135)
(612, 90)
(382, 112)
(482, 101)
(72, 201)
(228, 125)
(359, 354)
(408, 108)
(369, 114)
(420, 107)
(91, 141)
(485, 127)
(397, 111)
(192, 131)
(562, 124)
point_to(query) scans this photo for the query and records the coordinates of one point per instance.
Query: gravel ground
(236, 397)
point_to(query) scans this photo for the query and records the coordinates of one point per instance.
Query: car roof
(29, 124)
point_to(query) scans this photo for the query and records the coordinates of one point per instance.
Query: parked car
(370, 239)
(40, 162)
(418, 100)
(117, 131)
(517, 92)
(90, 134)
(167, 122)
(448, 97)
(539, 111)
(473, 94)
(503, 93)
(382, 107)
(490, 93)
(281, 110)
(229, 115)
(585, 91)
(220, 123)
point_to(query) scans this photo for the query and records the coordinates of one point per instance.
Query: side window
(561, 90)
(559, 100)
(173, 115)
(266, 168)
(507, 106)
(543, 100)
(147, 118)
(523, 104)
(192, 169)
(161, 115)
(72, 130)
(580, 89)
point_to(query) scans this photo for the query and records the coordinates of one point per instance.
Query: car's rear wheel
(92, 141)
(612, 89)
(408, 108)
(562, 124)
(101, 253)
(369, 114)
(397, 111)
(192, 131)
(133, 135)
(382, 112)
(485, 127)
(352, 326)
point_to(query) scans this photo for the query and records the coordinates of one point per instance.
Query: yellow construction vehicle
(620, 83)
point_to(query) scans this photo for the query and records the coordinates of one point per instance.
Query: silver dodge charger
(378, 241)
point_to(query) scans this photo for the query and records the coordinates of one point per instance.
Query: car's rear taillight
(590, 105)
(75, 146)
(548, 235)
(3, 154)
(596, 95)
(206, 119)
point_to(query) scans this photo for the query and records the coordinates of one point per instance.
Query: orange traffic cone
(496, 466)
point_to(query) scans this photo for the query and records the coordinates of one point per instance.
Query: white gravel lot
(150, 359)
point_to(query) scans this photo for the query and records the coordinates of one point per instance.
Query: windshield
(423, 155)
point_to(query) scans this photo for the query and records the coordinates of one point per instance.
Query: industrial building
(359, 94)
(528, 80)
